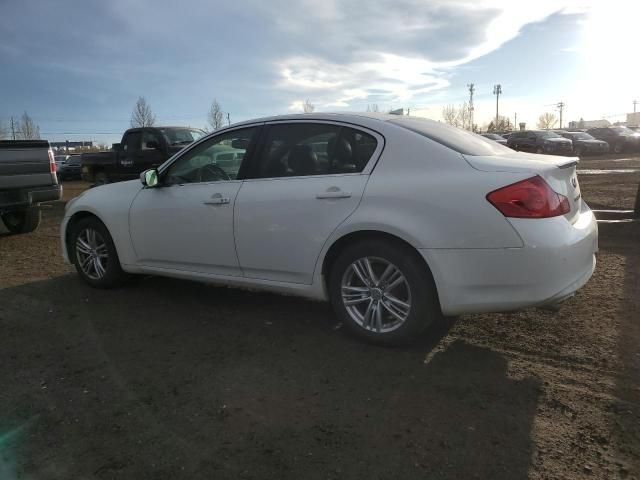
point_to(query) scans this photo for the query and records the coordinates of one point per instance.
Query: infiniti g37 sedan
(395, 220)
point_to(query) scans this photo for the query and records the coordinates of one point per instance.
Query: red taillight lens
(52, 162)
(530, 198)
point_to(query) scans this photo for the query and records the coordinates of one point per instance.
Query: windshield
(623, 130)
(549, 135)
(455, 138)
(181, 136)
(580, 136)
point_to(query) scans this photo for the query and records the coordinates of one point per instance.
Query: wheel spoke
(367, 315)
(396, 279)
(350, 288)
(387, 272)
(397, 301)
(356, 301)
(378, 317)
(369, 269)
(82, 247)
(97, 264)
(390, 308)
(360, 272)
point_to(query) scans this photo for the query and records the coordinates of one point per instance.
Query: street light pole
(497, 90)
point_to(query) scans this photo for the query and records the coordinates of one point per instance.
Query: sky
(78, 66)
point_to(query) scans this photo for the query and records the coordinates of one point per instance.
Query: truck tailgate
(25, 164)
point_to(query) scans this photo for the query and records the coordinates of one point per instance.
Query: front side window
(150, 140)
(217, 159)
(306, 149)
(181, 136)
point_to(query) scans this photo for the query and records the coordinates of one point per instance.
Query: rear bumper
(557, 259)
(25, 197)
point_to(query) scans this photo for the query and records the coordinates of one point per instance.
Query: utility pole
(13, 129)
(561, 106)
(471, 108)
(515, 121)
(228, 119)
(497, 90)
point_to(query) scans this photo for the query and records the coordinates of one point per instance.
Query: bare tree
(27, 128)
(373, 107)
(308, 107)
(142, 116)
(547, 120)
(450, 115)
(504, 125)
(3, 131)
(464, 116)
(215, 117)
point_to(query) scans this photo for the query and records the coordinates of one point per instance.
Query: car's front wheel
(94, 254)
(383, 291)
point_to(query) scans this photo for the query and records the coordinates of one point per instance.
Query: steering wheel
(211, 173)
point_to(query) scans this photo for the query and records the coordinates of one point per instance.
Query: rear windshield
(454, 138)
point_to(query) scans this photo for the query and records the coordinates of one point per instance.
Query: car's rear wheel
(383, 292)
(94, 254)
(578, 151)
(618, 147)
(22, 221)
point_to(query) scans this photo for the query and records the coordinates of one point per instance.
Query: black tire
(425, 306)
(113, 275)
(101, 178)
(618, 147)
(540, 151)
(578, 151)
(22, 221)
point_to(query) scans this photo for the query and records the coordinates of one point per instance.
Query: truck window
(132, 141)
(150, 136)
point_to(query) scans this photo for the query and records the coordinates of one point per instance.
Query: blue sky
(77, 67)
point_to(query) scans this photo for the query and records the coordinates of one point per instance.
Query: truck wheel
(101, 178)
(22, 221)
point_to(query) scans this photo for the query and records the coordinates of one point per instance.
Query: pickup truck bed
(27, 178)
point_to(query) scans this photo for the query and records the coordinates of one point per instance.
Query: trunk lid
(558, 172)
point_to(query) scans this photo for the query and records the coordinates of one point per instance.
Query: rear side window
(454, 138)
(132, 141)
(306, 149)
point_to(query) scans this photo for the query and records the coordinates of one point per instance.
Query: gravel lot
(174, 379)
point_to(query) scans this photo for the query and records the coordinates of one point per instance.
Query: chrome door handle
(217, 199)
(333, 194)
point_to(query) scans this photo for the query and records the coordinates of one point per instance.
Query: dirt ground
(174, 379)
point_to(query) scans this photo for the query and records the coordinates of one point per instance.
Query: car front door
(307, 179)
(186, 222)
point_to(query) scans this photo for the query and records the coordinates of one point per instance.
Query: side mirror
(153, 144)
(117, 147)
(149, 178)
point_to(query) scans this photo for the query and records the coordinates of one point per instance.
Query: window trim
(246, 161)
(368, 168)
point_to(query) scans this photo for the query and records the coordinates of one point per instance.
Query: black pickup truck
(27, 178)
(139, 150)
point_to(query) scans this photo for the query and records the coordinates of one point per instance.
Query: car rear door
(308, 177)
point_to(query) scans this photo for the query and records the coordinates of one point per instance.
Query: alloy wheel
(376, 294)
(92, 253)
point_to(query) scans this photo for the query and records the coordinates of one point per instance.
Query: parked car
(540, 141)
(27, 179)
(495, 137)
(585, 144)
(395, 220)
(68, 166)
(140, 149)
(620, 139)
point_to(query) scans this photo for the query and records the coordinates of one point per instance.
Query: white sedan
(395, 220)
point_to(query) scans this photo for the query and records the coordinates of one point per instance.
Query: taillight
(52, 162)
(530, 198)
